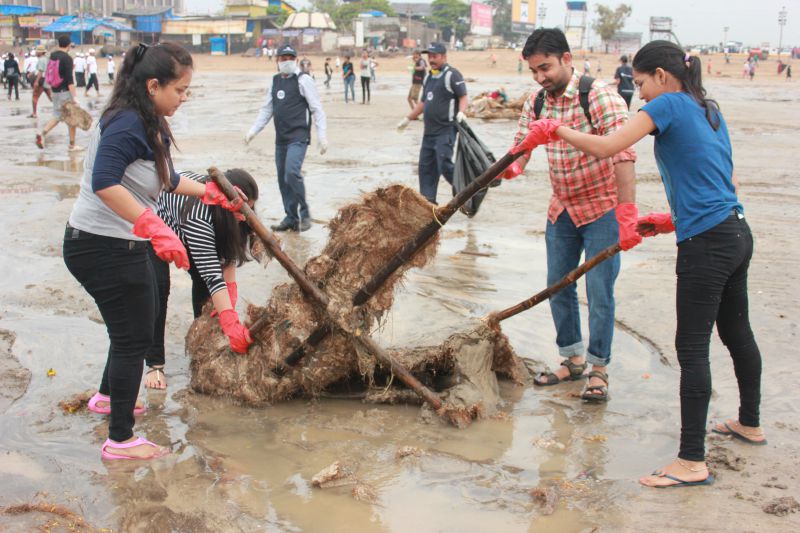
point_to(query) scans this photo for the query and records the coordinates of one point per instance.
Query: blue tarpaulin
(8, 10)
(71, 23)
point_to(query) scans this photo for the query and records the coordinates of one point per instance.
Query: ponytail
(685, 68)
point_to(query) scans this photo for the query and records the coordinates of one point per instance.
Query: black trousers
(93, 83)
(627, 97)
(712, 289)
(80, 79)
(200, 295)
(119, 275)
(13, 84)
(365, 94)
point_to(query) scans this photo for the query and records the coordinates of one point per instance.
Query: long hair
(232, 237)
(165, 62)
(686, 69)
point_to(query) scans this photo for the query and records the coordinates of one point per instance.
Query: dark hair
(547, 41)
(164, 62)
(10, 56)
(232, 237)
(63, 41)
(686, 69)
(624, 59)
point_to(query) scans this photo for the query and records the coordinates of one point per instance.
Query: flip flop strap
(120, 446)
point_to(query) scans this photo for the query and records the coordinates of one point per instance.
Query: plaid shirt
(582, 184)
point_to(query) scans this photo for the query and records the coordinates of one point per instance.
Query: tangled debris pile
(496, 105)
(363, 237)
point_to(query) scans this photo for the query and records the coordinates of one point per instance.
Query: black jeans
(119, 275)
(365, 94)
(712, 288)
(200, 295)
(13, 85)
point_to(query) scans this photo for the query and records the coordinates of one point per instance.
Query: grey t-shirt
(118, 154)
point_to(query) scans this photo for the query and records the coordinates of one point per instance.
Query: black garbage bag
(472, 159)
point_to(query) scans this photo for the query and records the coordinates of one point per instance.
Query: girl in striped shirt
(217, 242)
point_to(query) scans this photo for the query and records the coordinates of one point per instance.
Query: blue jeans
(350, 83)
(565, 242)
(289, 161)
(435, 159)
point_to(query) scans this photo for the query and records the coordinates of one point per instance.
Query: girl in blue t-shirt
(693, 152)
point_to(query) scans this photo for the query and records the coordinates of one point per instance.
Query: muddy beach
(250, 469)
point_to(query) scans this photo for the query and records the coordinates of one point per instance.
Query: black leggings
(93, 83)
(13, 83)
(200, 295)
(712, 288)
(365, 94)
(119, 275)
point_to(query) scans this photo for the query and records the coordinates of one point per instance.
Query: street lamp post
(724, 37)
(781, 22)
(542, 14)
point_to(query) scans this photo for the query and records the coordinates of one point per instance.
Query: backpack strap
(584, 88)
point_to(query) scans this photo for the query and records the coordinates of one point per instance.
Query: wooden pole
(570, 278)
(321, 298)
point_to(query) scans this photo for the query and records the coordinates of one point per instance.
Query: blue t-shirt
(695, 163)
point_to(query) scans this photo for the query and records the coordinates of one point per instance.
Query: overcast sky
(694, 21)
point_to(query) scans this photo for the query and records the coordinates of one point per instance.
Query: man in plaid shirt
(581, 216)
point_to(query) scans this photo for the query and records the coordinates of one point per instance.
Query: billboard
(480, 19)
(523, 16)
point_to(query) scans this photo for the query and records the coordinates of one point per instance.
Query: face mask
(286, 67)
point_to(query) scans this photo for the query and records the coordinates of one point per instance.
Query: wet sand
(242, 469)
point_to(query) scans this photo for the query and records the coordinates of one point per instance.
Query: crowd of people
(135, 214)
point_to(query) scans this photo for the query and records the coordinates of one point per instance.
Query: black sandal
(596, 393)
(158, 379)
(576, 372)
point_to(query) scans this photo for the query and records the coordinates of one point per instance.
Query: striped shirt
(196, 232)
(582, 184)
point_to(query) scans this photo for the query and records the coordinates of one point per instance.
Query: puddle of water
(66, 165)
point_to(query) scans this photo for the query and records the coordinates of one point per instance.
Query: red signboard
(481, 19)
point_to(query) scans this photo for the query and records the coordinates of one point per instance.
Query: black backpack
(584, 88)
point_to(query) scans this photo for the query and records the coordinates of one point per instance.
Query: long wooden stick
(543, 295)
(321, 298)
(423, 236)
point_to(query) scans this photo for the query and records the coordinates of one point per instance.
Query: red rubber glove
(539, 132)
(238, 335)
(166, 244)
(654, 223)
(233, 295)
(627, 215)
(214, 196)
(512, 171)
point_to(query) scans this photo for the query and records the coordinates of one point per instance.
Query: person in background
(328, 72)
(338, 63)
(591, 208)
(80, 69)
(789, 72)
(444, 101)
(111, 67)
(91, 70)
(587, 67)
(349, 77)
(365, 77)
(372, 66)
(39, 84)
(112, 226)
(624, 80)
(11, 69)
(714, 242)
(293, 101)
(58, 74)
(217, 241)
(305, 66)
(30, 67)
(417, 78)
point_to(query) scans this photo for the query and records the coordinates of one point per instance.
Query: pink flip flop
(106, 410)
(110, 444)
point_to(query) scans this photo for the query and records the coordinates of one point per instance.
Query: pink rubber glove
(539, 132)
(654, 223)
(233, 294)
(166, 244)
(627, 215)
(238, 335)
(512, 171)
(214, 196)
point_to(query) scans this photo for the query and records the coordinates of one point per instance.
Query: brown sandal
(576, 372)
(160, 378)
(596, 393)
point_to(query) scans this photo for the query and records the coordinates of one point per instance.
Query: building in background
(146, 21)
(97, 8)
